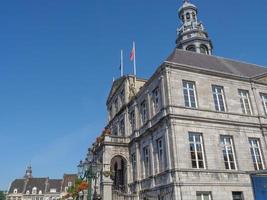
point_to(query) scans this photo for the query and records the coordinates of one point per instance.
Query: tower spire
(28, 173)
(191, 35)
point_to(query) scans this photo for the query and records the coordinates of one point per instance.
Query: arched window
(34, 190)
(191, 48)
(188, 16)
(182, 17)
(204, 49)
(194, 16)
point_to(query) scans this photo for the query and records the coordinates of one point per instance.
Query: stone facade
(193, 130)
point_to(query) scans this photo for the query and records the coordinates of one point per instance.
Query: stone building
(193, 130)
(36, 188)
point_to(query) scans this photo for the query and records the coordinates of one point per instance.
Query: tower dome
(192, 36)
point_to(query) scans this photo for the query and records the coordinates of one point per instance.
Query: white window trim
(204, 193)
(216, 93)
(195, 149)
(264, 102)
(188, 93)
(243, 97)
(227, 152)
(258, 146)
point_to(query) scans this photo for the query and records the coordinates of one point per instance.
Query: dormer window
(28, 192)
(15, 191)
(34, 190)
(40, 192)
(69, 184)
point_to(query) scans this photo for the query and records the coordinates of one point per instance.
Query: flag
(121, 63)
(132, 54)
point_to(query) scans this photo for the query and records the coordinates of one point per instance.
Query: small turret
(28, 173)
(191, 36)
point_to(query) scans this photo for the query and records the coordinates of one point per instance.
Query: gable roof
(215, 64)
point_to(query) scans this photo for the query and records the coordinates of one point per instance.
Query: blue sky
(58, 57)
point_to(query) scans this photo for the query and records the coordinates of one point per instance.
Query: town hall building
(192, 131)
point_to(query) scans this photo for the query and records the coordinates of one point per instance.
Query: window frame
(188, 89)
(134, 165)
(146, 160)
(216, 98)
(122, 126)
(156, 100)
(195, 151)
(243, 99)
(160, 153)
(264, 102)
(202, 193)
(224, 148)
(144, 112)
(254, 155)
(241, 193)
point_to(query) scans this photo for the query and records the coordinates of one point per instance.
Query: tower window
(194, 16)
(187, 16)
(204, 49)
(191, 48)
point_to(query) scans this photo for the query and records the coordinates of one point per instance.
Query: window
(196, 150)
(245, 102)
(191, 48)
(204, 49)
(194, 16)
(237, 195)
(122, 97)
(228, 152)
(110, 112)
(146, 160)
(40, 192)
(256, 154)
(116, 105)
(156, 100)
(133, 160)
(204, 196)
(122, 127)
(132, 119)
(143, 112)
(34, 190)
(160, 153)
(218, 97)
(187, 16)
(114, 129)
(15, 191)
(69, 184)
(53, 190)
(264, 102)
(189, 94)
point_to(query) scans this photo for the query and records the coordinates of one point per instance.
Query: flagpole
(134, 62)
(121, 63)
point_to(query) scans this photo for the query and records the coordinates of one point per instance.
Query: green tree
(2, 195)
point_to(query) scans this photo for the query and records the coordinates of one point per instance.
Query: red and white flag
(132, 54)
(132, 57)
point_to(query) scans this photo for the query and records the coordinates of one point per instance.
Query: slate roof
(215, 64)
(17, 184)
(54, 184)
(68, 178)
(39, 183)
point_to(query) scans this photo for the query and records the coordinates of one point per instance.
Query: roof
(215, 64)
(39, 183)
(54, 184)
(17, 184)
(69, 178)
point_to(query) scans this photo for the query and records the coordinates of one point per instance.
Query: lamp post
(88, 170)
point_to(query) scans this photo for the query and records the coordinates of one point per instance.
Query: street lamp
(89, 170)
